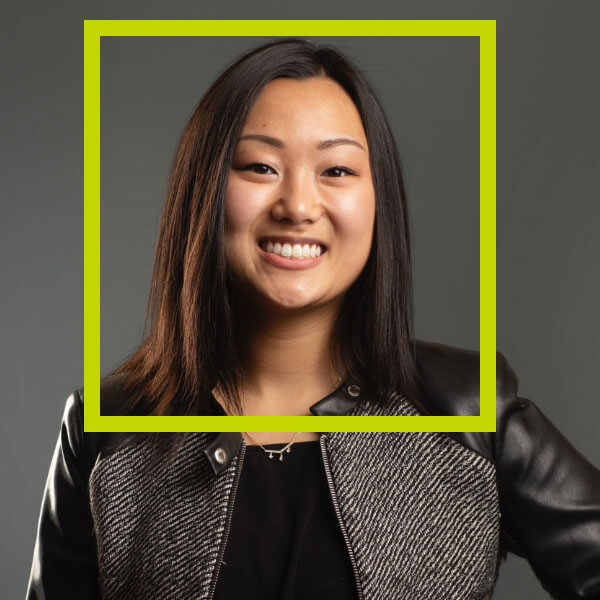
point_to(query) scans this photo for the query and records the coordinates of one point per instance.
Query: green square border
(95, 29)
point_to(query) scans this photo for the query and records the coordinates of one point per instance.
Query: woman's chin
(290, 300)
(292, 303)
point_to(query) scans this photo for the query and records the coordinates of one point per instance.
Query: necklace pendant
(270, 455)
(281, 457)
(288, 450)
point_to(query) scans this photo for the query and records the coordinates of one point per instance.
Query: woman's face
(300, 170)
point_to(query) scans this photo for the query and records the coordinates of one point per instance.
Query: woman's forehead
(317, 108)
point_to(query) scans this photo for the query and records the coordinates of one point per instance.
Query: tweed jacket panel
(160, 525)
(421, 511)
(158, 522)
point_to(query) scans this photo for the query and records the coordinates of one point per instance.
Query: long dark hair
(191, 346)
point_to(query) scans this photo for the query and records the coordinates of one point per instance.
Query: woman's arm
(550, 501)
(64, 560)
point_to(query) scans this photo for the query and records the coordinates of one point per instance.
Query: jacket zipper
(213, 586)
(339, 517)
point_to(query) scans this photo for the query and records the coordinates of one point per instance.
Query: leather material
(549, 493)
(339, 402)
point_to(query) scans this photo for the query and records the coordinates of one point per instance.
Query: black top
(285, 541)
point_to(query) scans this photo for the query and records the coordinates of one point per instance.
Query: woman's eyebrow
(338, 141)
(273, 141)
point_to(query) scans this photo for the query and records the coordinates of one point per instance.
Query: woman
(281, 286)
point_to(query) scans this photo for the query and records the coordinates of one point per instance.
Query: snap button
(220, 455)
(353, 390)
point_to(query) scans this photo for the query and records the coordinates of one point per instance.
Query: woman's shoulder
(87, 445)
(450, 376)
(112, 396)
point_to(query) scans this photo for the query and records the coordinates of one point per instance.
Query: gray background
(548, 248)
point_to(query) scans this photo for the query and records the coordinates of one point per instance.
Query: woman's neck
(286, 359)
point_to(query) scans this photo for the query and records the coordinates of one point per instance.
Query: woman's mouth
(291, 256)
(292, 251)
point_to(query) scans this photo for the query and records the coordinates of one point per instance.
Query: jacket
(423, 515)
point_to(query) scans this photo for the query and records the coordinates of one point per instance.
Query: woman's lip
(290, 263)
(293, 240)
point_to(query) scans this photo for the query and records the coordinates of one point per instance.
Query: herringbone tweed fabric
(158, 532)
(420, 509)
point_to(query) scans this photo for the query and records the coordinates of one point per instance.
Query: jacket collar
(225, 445)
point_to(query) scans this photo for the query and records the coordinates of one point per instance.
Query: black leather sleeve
(64, 560)
(549, 497)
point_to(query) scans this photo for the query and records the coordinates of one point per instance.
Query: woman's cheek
(243, 204)
(355, 214)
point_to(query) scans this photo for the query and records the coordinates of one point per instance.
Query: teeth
(292, 251)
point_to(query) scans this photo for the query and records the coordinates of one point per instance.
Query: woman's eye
(339, 172)
(258, 168)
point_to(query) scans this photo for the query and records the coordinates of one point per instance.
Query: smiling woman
(299, 217)
(289, 145)
(282, 286)
(313, 189)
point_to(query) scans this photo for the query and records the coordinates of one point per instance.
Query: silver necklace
(270, 451)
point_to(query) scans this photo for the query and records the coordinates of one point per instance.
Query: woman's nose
(298, 200)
